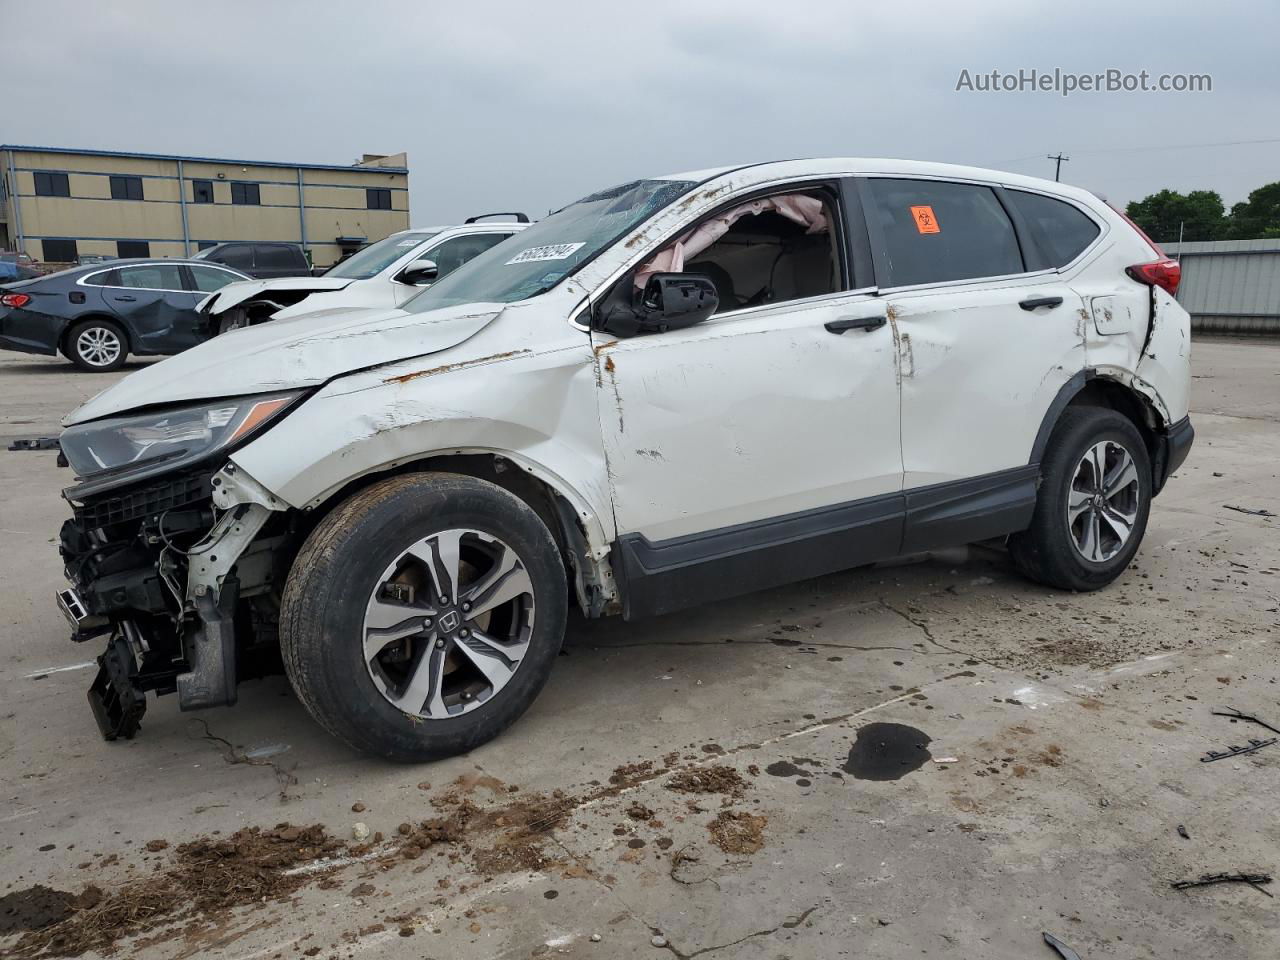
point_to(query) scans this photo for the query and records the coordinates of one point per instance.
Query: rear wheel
(96, 345)
(423, 615)
(1092, 507)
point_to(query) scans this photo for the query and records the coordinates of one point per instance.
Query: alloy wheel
(98, 346)
(448, 623)
(1103, 502)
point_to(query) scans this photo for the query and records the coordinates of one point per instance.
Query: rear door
(986, 338)
(155, 305)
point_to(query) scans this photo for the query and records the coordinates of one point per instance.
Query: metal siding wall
(1230, 286)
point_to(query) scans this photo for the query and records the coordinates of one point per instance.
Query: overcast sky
(529, 105)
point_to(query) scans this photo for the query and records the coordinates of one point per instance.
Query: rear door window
(453, 253)
(151, 276)
(934, 231)
(1061, 230)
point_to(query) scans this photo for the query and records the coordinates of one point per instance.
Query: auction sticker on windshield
(552, 251)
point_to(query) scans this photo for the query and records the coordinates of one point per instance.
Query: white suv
(383, 274)
(671, 391)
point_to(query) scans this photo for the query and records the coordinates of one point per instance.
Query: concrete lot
(1064, 742)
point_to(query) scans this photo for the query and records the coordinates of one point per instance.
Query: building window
(205, 244)
(52, 185)
(59, 251)
(378, 198)
(245, 194)
(202, 191)
(132, 248)
(126, 188)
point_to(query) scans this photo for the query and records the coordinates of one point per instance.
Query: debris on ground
(1182, 832)
(1233, 714)
(1063, 950)
(1234, 751)
(735, 831)
(717, 779)
(33, 908)
(638, 811)
(1254, 880)
(1252, 511)
(207, 878)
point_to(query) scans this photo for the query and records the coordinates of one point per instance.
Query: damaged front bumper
(180, 575)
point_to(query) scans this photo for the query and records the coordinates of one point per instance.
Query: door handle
(128, 299)
(1034, 302)
(854, 323)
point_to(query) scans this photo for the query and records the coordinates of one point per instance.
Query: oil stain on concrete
(887, 751)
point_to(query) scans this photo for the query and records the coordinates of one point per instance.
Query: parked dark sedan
(96, 316)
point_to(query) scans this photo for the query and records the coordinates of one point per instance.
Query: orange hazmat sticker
(926, 222)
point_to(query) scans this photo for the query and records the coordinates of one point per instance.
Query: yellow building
(60, 204)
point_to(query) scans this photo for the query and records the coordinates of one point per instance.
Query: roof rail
(520, 217)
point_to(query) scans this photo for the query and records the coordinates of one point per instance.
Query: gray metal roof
(173, 156)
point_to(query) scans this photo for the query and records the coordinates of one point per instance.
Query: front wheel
(423, 615)
(1092, 508)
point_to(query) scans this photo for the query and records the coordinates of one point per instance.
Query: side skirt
(659, 577)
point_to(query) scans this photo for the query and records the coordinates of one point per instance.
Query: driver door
(759, 447)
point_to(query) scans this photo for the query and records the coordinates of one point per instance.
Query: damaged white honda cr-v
(671, 391)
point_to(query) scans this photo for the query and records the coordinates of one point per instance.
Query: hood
(242, 290)
(286, 354)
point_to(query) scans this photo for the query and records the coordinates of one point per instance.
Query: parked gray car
(96, 316)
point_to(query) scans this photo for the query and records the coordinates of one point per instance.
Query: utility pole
(1057, 170)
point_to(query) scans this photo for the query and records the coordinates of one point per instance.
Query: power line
(1172, 146)
(1057, 170)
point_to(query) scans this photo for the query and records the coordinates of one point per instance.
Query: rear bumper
(1175, 445)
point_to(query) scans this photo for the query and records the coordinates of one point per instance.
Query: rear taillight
(1163, 273)
(14, 300)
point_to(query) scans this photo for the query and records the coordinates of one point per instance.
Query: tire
(339, 582)
(96, 346)
(1060, 552)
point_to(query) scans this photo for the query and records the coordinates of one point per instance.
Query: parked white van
(671, 391)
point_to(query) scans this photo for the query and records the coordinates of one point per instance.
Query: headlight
(107, 453)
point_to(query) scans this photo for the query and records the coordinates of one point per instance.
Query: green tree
(1257, 217)
(1199, 215)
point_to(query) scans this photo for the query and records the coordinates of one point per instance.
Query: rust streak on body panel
(447, 367)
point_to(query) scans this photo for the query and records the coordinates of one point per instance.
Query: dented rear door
(984, 344)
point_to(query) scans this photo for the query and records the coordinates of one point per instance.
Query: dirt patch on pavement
(718, 779)
(208, 877)
(735, 831)
(34, 908)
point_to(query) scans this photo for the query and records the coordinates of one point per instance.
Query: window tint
(206, 244)
(239, 255)
(245, 194)
(279, 257)
(378, 198)
(133, 248)
(202, 191)
(209, 279)
(126, 188)
(452, 254)
(108, 278)
(936, 231)
(151, 276)
(1061, 229)
(52, 185)
(59, 251)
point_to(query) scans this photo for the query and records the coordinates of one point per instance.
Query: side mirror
(419, 272)
(671, 301)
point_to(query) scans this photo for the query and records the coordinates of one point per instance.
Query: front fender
(536, 409)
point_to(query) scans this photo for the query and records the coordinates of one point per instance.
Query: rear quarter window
(935, 231)
(1061, 230)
